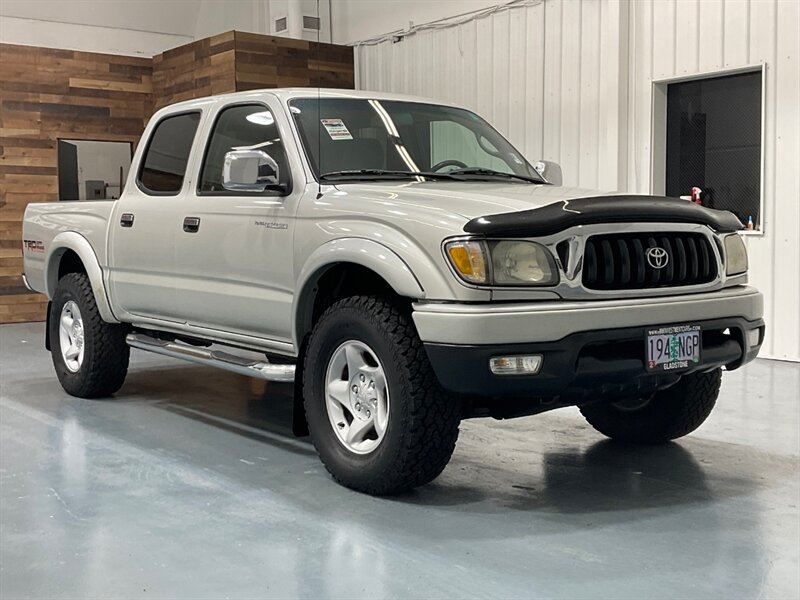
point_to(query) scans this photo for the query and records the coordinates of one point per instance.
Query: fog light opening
(516, 365)
(753, 337)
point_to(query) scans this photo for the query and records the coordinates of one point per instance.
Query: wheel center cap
(362, 397)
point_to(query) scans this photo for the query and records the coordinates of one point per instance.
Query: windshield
(356, 139)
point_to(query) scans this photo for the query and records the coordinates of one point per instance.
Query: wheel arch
(70, 252)
(332, 263)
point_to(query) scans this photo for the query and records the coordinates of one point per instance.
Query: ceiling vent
(281, 25)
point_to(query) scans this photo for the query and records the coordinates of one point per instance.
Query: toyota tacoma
(405, 266)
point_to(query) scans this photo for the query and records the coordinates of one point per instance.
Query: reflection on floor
(189, 484)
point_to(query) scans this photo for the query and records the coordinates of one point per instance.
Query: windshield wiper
(381, 174)
(456, 175)
(480, 172)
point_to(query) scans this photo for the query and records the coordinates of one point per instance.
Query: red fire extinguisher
(696, 191)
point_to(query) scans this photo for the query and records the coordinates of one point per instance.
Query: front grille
(619, 261)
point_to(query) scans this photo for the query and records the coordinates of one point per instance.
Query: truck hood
(515, 210)
(467, 199)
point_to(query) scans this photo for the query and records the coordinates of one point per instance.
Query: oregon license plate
(673, 348)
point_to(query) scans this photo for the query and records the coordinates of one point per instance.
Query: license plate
(673, 348)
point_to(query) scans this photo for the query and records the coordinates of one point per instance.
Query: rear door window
(167, 154)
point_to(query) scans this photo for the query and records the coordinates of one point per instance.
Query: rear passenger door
(236, 258)
(146, 220)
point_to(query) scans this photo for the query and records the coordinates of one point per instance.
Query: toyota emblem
(657, 257)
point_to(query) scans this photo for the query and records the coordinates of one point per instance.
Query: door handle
(126, 220)
(191, 224)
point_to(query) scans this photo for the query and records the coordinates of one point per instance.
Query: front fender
(366, 253)
(69, 240)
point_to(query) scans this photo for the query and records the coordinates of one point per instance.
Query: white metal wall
(572, 81)
(555, 96)
(676, 38)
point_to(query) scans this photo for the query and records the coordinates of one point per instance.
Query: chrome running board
(262, 369)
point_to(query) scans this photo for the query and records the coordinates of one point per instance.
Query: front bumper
(590, 349)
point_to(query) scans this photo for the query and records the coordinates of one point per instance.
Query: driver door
(236, 250)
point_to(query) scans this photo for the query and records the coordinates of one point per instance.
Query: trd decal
(33, 245)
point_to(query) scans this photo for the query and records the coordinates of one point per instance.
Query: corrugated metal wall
(572, 81)
(554, 96)
(677, 38)
(471, 65)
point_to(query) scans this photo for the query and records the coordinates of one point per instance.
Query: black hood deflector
(601, 209)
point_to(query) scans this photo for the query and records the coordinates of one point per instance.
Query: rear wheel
(663, 416)
(90, 356)
(376, 413)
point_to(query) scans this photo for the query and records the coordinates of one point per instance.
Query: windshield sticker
(336, 129)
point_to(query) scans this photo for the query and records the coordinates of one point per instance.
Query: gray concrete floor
(189, 485)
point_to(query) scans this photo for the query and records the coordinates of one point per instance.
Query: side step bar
(213, 358)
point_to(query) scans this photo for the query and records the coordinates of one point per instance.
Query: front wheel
(90, 356)
(377, 415)
(665, 415)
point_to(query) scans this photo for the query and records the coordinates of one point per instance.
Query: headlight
(512, 262)
(735, 255)
(522, 263)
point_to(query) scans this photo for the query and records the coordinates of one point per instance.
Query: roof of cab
(285, 94)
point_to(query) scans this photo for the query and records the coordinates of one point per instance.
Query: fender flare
(360, 251)
(69, 240)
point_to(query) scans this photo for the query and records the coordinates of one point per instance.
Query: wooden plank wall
(264, 61)
(47, 94)
(238, 61)
(202, 68)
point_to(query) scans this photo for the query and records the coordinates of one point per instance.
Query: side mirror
(551, 171)
(249, 171)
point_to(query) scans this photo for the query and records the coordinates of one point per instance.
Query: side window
(167, 153)
(242, 127)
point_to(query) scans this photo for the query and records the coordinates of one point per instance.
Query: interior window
(167, 154)
(714, 143)
(92, 170)
(243, 127)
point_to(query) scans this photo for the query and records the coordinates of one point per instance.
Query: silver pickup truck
(405, 265)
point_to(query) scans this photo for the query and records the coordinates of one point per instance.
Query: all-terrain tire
(667, 415)
(105, 352)
(423, 419)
